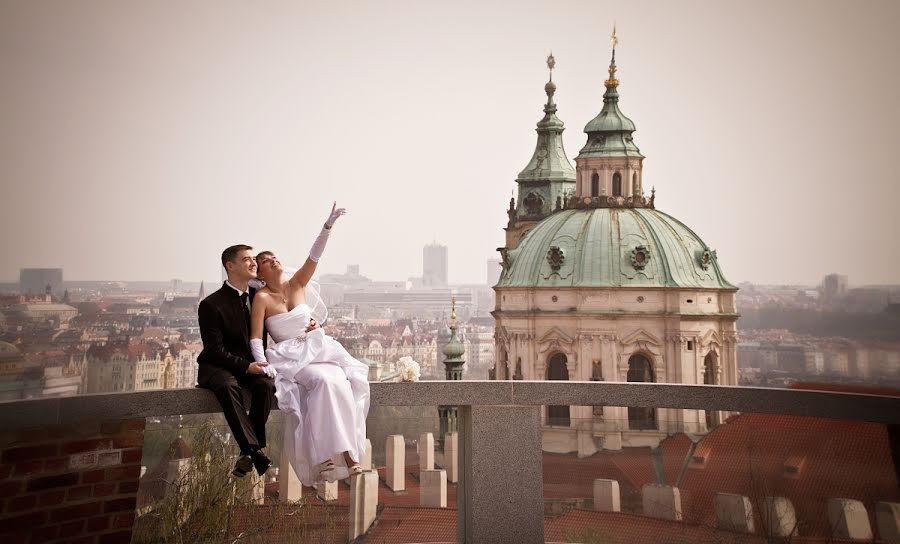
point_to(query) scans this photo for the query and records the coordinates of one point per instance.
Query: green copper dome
(612, 247)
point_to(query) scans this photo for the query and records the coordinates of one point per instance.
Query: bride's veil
(318, 310)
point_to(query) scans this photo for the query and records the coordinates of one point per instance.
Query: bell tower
(548, 180)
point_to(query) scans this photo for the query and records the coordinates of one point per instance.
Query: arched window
(640, 370)
(556, 370)
(595, 185)
(710, 378)
(635, 190)
(617, 184)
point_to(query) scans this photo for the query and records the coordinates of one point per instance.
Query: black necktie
(245, 297)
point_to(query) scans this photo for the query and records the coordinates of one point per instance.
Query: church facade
(598, 284)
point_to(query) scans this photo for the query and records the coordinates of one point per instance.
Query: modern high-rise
(434, 265)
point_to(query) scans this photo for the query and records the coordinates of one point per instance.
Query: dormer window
(617, 184)
(595, 185)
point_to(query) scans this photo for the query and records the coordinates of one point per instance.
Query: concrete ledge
(22, 414)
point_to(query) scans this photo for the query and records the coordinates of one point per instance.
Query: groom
(226, 364)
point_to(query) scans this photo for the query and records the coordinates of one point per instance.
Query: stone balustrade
(70, 466)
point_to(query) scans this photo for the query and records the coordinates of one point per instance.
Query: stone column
(327, 491)
(606, 496)
(426, 451)
(395, 457)
(289, 486)
(848, 519)
(366, 462)
(363, 502)
(661, 501)
(501, 445)
(779, 517)
(433, 488)
(451, 456)
(734, 513)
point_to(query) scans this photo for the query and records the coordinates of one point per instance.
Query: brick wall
(73, 484)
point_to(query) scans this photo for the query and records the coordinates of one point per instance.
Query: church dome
(612, 247)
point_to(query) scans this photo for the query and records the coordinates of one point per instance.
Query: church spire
(549, 174)
(610, 164)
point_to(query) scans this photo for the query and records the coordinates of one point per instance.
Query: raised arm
(302, 276)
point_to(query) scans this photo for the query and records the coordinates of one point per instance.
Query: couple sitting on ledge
(323, 391)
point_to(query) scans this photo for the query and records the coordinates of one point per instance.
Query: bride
(323, 391)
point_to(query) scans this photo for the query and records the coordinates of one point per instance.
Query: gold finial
(452, 308)
(612, 82)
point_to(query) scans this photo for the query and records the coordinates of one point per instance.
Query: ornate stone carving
(640, 256)
(555, 256)
(704, 257)
(504, 258)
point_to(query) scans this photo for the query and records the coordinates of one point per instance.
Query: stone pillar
(848, 519)
(779, 517)
(433, 488)
(661, 501)
(395, 457)
(289, 486)
(426, 451)
(500, 446)
(257, 485)
(451, 456)
(734, 513)
(366, 462)
(606, 496)
(584, 437)
(887, 518)
(363, 502)
(327, 491)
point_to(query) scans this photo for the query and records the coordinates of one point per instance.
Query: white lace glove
(315, 252)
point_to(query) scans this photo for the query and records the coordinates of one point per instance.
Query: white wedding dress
(323, 392)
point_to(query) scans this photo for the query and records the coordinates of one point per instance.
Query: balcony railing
(500, 494)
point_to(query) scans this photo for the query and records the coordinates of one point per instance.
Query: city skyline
(161, 121)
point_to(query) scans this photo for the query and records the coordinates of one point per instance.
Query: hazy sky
(137, 139)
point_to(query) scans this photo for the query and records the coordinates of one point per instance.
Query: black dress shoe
(261, 462)
(243, 466)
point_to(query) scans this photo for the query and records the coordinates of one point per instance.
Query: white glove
(270, 371)
(256, 348)
(318, 247)
(333, 216)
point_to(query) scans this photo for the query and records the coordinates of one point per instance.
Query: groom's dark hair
(231, 252)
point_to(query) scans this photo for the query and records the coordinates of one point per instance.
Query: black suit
(225, 329)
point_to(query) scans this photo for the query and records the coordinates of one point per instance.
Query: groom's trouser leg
(230, 395)
(262, 397)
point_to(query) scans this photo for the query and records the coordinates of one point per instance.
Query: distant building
(434, 265)
(41, 280)
(834, 286)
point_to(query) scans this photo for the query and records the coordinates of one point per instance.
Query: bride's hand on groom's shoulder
(335, 213)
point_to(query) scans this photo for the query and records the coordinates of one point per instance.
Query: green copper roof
(612, 247)
(609, 134)
(454, 349)
(549, 161)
